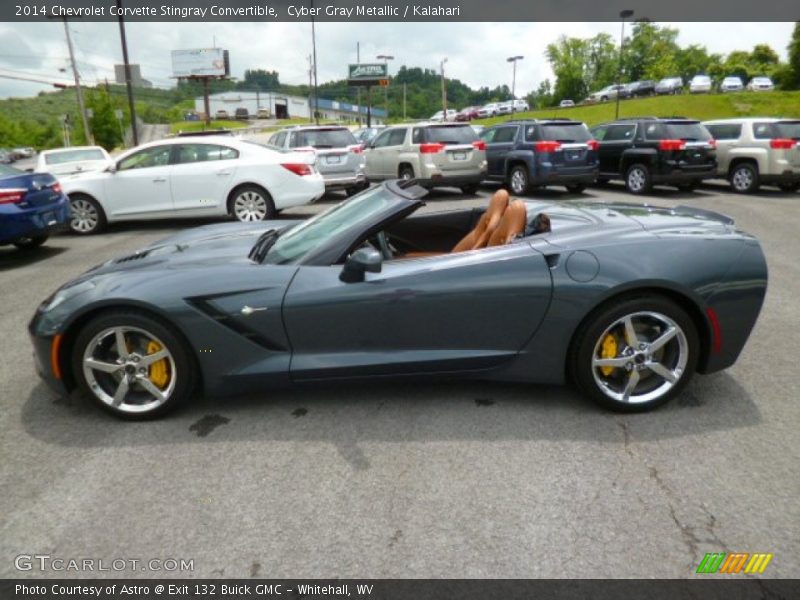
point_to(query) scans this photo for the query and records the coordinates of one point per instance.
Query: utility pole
(78, 90)
(314, 46)
(128, 84)
(513, 60)
(622, 15)
(404, 101)
(444, 90)
(310, 86)
(358, 90)
(386, 58)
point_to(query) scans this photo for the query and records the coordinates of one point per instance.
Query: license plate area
(459, 155)
(334, 159)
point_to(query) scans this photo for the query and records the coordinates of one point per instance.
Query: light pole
(513, 60)
(128, 84)
(386, 58)
(624, 14)
(314, 53)
(444, 90)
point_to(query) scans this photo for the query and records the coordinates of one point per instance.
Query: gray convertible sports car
(627, 301)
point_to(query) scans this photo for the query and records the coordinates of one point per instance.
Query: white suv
(756, 151)
(436, 154)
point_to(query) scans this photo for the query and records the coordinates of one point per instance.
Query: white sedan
(77, 159)
(184, 177)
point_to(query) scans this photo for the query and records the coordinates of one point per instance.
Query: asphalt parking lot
(459, 480)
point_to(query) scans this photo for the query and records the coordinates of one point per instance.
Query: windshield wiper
(265, 241)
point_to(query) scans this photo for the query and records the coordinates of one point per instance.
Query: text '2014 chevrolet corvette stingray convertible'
(628, 301)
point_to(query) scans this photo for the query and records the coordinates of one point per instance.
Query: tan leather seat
(511, 225)
(487, 224)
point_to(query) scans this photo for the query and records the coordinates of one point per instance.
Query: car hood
(201, 247)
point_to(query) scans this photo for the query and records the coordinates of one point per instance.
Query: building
(283, 106)
(136, 76)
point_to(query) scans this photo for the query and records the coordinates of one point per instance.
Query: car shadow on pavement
(348, 414)
(13, 258)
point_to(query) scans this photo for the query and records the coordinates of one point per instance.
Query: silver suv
(340, 159)
(436, 154)
(756, 151)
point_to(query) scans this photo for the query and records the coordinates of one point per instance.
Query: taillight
(479, 145)
(431, 148)
(12, 195)
(781, 144)
(357, 149)
(56, 187)
(671, 145)
(547, 146)
(298, 168)
(712, 143)
(593, 144)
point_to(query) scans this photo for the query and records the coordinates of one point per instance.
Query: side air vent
(135, 256)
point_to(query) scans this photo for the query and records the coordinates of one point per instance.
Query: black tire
(652, 389)
(29, 243)
(743, 178)
(576, 188)
(87, 216)
(789, 187)
(519, 180)
(689, 186)
(405, 172)
(178, 390)
(249, 203)
(470, 189)
(638, 179)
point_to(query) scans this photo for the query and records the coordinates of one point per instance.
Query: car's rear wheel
(576, 188)
(518, 180)
(405, 172)
(637, 179)
(635, 354)
(252, 203)
(132, 365)
(744, 178)
(29, 243)
(86, 215)
(789, 187)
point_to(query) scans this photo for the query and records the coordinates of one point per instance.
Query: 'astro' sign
(367, 74)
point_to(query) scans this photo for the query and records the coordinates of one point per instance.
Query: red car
(468, 113)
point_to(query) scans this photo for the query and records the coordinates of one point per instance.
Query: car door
(615, 141)
(497, 150)
(375, 156)
(140, 186)
(200, 178)
(455, 312)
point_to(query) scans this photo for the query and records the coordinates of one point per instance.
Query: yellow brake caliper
(159, 370)
(608, 349)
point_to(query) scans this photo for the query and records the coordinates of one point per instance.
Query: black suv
(644, 151)
(646, 87)
(534, 153)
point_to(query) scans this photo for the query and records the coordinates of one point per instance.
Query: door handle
(223, 172)
(159, 179)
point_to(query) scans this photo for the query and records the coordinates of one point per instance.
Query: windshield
(57, 158)
(451, 134)
(322, 138)
(6, 171)
(565, 132)
(689, 131)
(295, 243)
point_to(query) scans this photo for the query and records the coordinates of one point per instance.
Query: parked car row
(492, 109)
(699, 84)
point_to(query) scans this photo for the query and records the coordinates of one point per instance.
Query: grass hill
(701, 106)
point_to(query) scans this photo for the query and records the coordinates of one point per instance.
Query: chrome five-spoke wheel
(640, 357)
(129, 369)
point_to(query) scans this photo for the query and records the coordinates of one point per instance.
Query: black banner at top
(398, 10)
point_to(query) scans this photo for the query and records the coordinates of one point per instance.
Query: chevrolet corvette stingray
(627, 301)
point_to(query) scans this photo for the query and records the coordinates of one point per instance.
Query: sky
(476, 52)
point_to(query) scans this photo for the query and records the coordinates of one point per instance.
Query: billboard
(368, 74)
(201, 62)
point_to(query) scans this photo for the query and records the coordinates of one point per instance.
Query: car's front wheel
(252, 203)
(86, 215)
(132, 365)
(638, 180)
(744, 178)
(518, 180)
(635, 354)
(29, 243)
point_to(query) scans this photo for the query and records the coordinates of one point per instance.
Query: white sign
(201, 62)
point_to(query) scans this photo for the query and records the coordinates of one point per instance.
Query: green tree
(791, 77)
(104, 125)
(568, 58)
(646, 51)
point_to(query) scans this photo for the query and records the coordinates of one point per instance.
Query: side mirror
(364, 260)
(112, 168)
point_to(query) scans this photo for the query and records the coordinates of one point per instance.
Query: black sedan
(627, 301)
